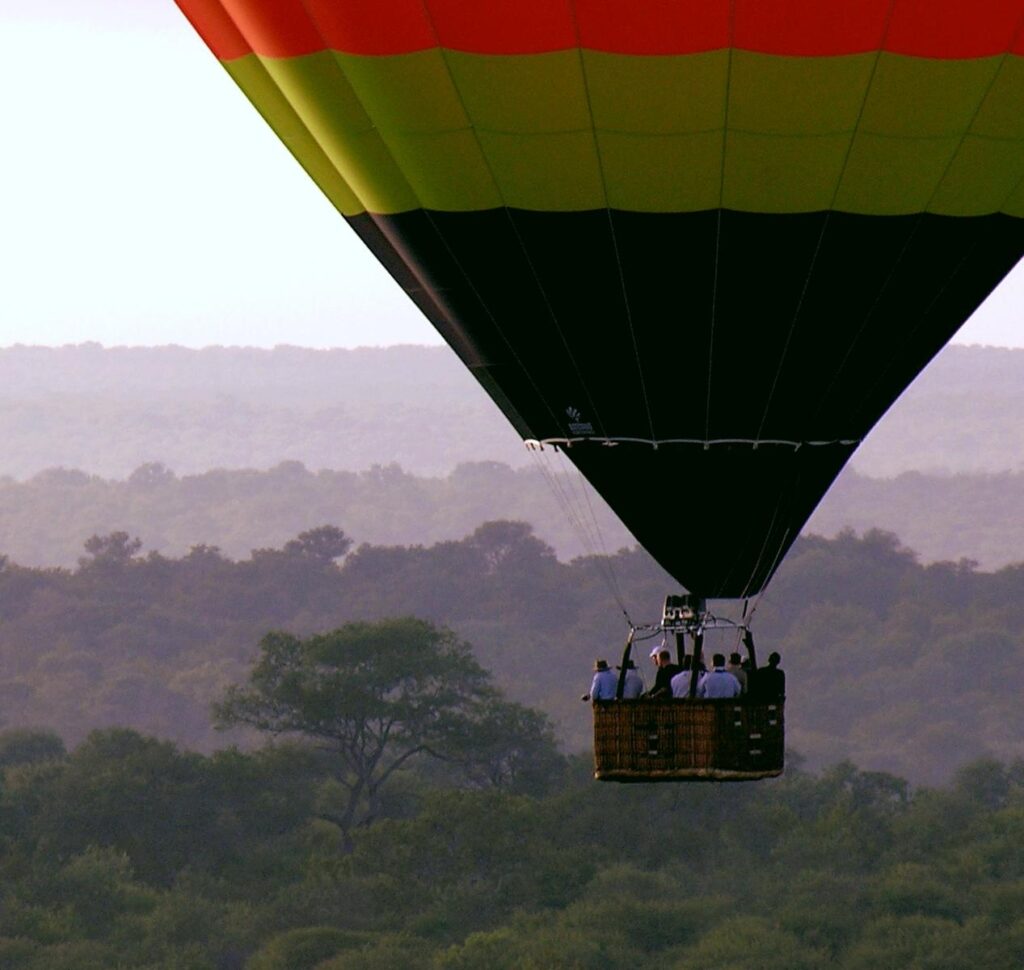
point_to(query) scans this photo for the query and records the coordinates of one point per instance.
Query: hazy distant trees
(321, 545)
(112, 550)
(45, 521)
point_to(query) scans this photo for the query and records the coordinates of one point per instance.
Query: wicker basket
(687, 740)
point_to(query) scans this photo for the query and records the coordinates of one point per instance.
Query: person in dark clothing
(770, 681)
(663, 680)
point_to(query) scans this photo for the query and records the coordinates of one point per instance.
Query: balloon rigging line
(796, 317)
(947, 279)
(974, 117)
(908, 335)
(584, 489)
(557, 484)
(828, 216)
(869, 314)
(314, 140)
(554, 320)
(426, 211)
(755, 443)
(764, 548)
(775, 562)
(490, 315)
(917, 224)
(519, 240)
(611, 222)
(718, 217)
(604, 558)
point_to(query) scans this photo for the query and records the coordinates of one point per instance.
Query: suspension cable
(561, 486)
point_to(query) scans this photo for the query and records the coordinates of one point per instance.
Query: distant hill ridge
(45, 520)
(110, 410)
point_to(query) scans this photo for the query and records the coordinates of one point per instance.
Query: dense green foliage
(129, 853)
(895, 665)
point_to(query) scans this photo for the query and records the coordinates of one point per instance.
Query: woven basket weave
(681, 740)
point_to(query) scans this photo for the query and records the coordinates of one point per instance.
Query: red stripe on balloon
(653, 27)
(955, 28)
(374, 26)
(945, 29)
(501, 26)
(810, 28)
(276, 28)
(213, 24)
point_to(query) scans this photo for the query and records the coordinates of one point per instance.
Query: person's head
(600, 665)
(687, 662)
(664, 658)
(629, 665)
(718, 660)
(774, 659)
(655, 650)
(734, 659)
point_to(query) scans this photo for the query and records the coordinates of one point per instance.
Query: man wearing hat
(604, 684)
(634, 685)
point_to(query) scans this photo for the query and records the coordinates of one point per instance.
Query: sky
(144, 202)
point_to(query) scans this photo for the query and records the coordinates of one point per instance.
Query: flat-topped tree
(377, 696)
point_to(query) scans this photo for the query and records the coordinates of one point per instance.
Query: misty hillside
(108, 411)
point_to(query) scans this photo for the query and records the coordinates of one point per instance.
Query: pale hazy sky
(143, 201)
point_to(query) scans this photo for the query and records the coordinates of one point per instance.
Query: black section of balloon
(718, 327)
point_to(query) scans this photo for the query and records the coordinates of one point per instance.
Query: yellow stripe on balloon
(576, 130)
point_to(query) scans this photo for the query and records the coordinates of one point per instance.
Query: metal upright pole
(680, 636)
(698, 644)
(621, 687)
(748, 642)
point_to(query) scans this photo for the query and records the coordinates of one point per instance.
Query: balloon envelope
(701, 244)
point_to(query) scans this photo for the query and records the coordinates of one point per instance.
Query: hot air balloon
(700, 245)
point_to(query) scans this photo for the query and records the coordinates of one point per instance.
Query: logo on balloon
(577, 426)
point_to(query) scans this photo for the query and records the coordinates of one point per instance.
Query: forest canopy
(135, 638)
(129, 852)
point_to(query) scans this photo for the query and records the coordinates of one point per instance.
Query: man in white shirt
(604, 684)
(634, 685)
(735, 667)
(681, 681)
(718, 682)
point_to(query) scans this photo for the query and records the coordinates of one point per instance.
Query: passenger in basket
(634, 685)
(666, 671)
(604, 684)
(718, 682)
(735, 667)
(655, 650)
(681, 681)
(771, 680)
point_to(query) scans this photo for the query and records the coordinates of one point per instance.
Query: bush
(304, 949)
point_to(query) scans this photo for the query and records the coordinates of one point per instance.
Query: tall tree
(375, 695)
